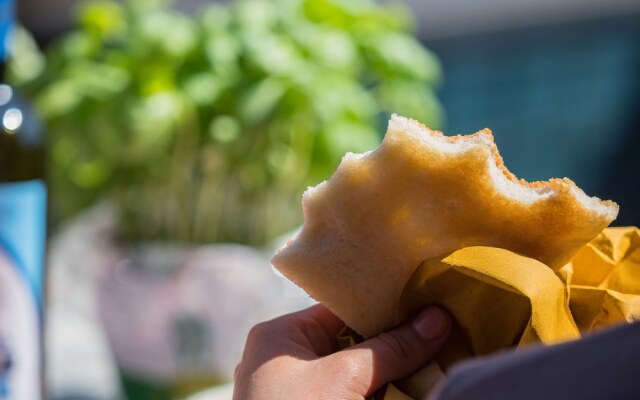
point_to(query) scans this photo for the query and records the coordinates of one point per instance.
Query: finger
(314, 328)
(319, 328)
(330, 323)
(397, 353)
(304, 335)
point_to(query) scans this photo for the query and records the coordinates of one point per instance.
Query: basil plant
(206, 128)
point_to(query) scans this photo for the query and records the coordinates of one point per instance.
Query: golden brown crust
(384, 212)
(556, 184)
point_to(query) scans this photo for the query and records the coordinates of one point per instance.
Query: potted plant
(206, 129)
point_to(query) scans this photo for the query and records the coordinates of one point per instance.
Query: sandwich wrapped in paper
(429, 219)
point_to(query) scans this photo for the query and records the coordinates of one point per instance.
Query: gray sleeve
(603, 365)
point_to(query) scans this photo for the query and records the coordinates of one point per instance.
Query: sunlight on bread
(419, 195)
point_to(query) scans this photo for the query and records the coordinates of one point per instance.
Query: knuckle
(236, 372)
(397, 345)
(257, 332)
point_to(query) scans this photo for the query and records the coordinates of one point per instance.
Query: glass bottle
(22, 235)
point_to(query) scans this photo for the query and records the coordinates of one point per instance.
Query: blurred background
(182, 134)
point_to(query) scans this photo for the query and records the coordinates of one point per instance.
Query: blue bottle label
(22, 257)
(6, 26)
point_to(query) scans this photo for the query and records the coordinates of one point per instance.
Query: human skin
(296, 356)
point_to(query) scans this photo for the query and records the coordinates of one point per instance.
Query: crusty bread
(419, 195)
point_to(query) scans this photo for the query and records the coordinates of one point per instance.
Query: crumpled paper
(499, 299)
(603, 279)
(496, 297)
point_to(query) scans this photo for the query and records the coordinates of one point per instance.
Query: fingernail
(431, 323)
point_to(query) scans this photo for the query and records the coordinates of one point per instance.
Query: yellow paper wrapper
(499, 299)
(604, 279)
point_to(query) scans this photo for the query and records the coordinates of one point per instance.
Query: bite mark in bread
(419, 195)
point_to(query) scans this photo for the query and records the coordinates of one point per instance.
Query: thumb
(397, 353)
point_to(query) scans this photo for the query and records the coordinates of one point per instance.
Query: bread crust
(419, 195)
